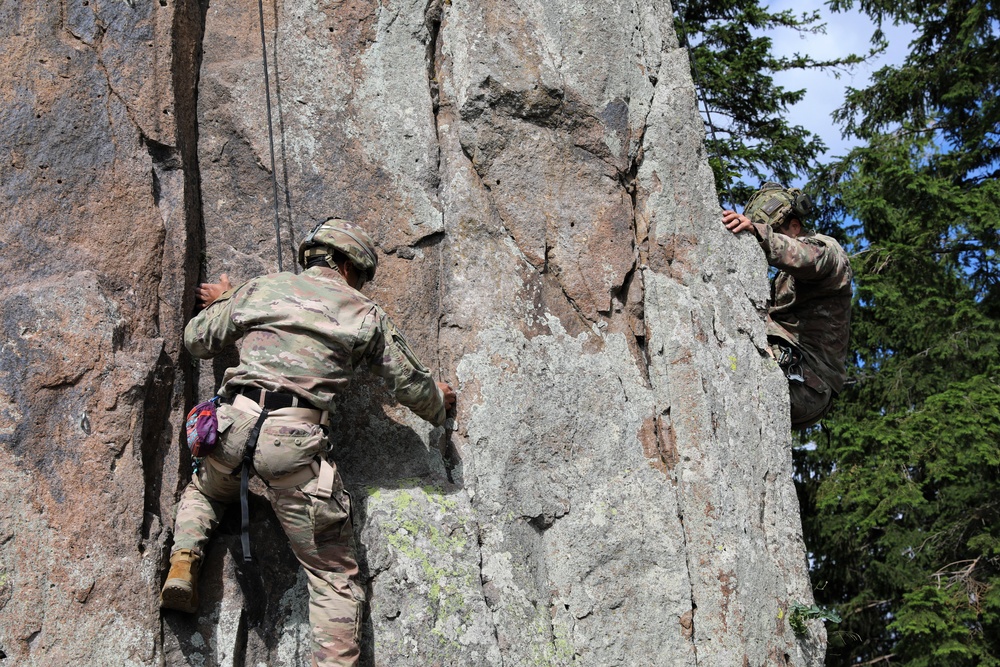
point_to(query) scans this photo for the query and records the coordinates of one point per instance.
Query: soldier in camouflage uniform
(809, 317)
(303, 337)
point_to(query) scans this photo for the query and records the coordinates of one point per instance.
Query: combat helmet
(775, 204)
(342, 235)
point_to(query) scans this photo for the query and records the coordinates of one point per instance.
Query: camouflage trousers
(321, 537)
(811, 398)
(809, 405)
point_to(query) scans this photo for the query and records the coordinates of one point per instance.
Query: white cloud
(846, 33)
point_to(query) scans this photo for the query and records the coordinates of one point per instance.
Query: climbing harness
(270, 135)
(790, 360)
(245, 467)
(268, 402)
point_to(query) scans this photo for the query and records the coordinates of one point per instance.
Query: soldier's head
(343, 246)
(783, 209)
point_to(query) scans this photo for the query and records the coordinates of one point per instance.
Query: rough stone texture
(95, 222)
(617, 489)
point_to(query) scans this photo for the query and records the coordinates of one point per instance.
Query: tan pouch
(285, 445)
(234, 428)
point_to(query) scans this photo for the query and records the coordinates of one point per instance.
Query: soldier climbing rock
(809, 315)
(303, 337)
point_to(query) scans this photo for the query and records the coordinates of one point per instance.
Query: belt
(272, 400)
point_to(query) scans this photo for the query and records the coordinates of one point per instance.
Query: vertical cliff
(617, 488)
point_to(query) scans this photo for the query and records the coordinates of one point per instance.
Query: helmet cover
(774, 205)
(345, 236)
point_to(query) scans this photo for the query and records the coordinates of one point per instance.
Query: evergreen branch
(909, 131)
(955, 249)
(957, 574)
(985, 177)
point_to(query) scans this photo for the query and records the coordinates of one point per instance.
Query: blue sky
(846, 33)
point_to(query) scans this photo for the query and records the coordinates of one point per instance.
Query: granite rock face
(617, 488)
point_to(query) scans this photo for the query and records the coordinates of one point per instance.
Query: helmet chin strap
(346, 271)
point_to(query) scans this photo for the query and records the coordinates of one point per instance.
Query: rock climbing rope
(270, 134)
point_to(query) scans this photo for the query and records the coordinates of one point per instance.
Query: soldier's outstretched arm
(450, 397)
(213, 329)
(389, 356)
(807, 258)
(208, 293)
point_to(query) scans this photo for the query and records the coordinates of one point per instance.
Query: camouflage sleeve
(211, 330)
(807, 258)
(389, 356)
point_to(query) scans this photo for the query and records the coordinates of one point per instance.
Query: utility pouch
(234, 427)
(202, 428)
(286, 444)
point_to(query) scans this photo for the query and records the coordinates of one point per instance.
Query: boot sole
(177, 595)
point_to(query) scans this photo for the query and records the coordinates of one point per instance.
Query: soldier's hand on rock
(449, 396)
(736, 222)
(207, 293)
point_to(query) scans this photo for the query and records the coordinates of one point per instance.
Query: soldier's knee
(808, 404)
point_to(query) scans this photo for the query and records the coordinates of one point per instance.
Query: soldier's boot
(180, 591)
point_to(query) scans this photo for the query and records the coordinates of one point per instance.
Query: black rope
(270, 133)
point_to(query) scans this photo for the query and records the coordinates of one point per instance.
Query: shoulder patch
(400, 341)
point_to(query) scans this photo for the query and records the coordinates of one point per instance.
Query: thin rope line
(270, 134)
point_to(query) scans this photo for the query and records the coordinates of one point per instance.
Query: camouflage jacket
(305, 335)
(810, 299)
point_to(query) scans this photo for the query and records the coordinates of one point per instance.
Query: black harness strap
(248, 450)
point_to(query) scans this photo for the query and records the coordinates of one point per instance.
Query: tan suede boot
(180, 591)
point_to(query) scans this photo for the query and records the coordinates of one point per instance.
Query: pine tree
(748, 137)
(901, 493)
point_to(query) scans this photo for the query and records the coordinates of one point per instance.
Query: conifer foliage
(748, 138)
(901, 494)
